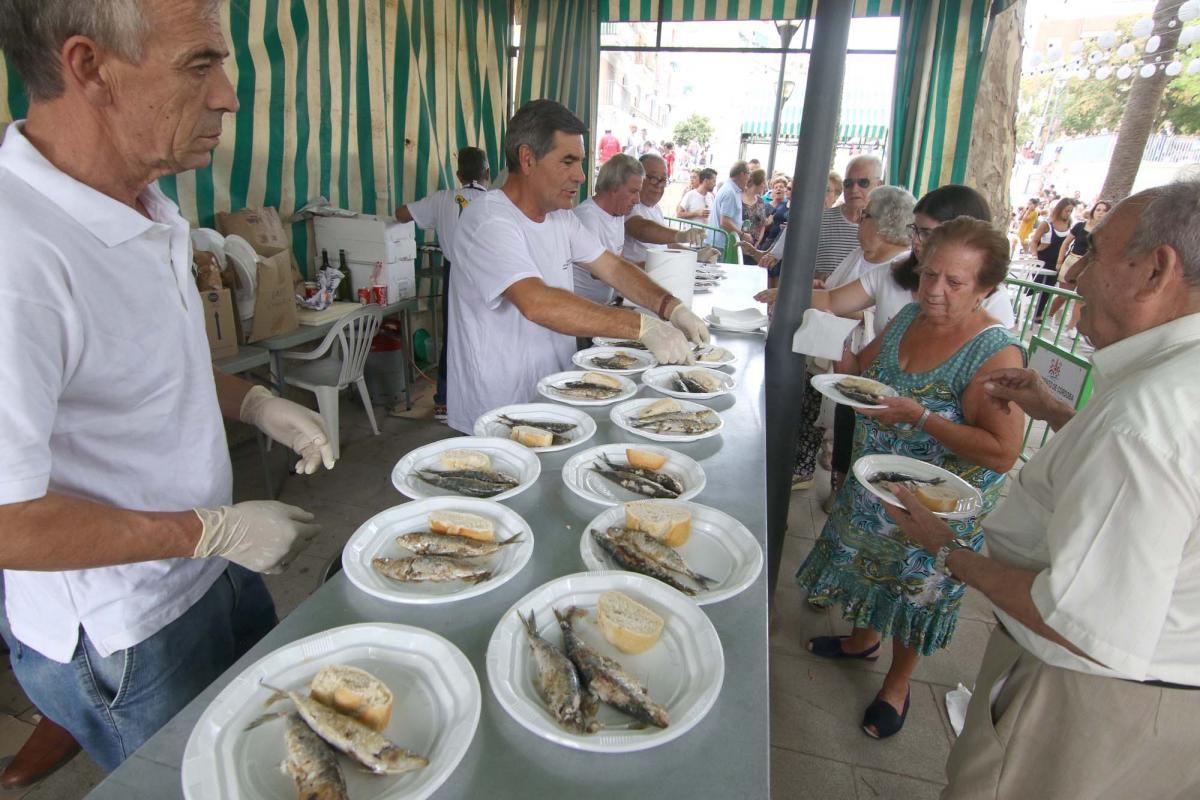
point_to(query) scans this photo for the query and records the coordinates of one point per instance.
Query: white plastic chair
(328, 370)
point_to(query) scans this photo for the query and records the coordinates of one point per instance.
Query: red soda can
(310, 289)
(364, 296)
(379, 295)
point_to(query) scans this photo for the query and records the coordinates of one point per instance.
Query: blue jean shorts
(112, 705)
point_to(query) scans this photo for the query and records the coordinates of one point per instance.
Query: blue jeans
(112, 705)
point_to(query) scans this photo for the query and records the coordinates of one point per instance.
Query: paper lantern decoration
(1143, 28)
(1153, 43)
(1076, 47)
(1189, 11)
(1126, 50)
(1104, 73)
(1187, 37)
(1094, 57)
(1035, 59)
(1147, 70)
(1124, 72)
(1174, 68)
(1194, 66)
(1107, 40)
(1054, 53)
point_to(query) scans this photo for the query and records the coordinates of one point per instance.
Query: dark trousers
(439, 396)
(843, 438)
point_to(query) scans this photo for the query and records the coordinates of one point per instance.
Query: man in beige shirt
(1090, 686)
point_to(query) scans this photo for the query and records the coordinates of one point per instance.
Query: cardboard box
(274, 299)
(220, 323)
(264, 230)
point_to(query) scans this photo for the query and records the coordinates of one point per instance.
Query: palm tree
(1141, 108)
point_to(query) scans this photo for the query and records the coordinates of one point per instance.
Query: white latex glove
(692, 326)
(261, 535)
(690, 236)
(290, 424)
(665, 342)
(708, 255)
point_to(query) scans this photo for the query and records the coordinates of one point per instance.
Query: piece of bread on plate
(937, 498)
(465, 459)
(645, 459)
(628, 625)
(600, 379)
(669, 523)
(462, 523)
(710, 382)
(530, 436)
(665, 406)
(355, 693)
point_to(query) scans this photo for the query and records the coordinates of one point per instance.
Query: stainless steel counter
(725, 756)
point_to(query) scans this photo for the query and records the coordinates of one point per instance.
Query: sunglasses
(862, 183)
(656, 181)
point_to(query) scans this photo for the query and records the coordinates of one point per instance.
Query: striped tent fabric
(560, 59)
(937, 77)
(363, 102)
(719, 10)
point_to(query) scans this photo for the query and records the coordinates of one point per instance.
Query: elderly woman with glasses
(933, 353)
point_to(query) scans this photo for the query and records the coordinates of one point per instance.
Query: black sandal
(831, 647)
(881, 716)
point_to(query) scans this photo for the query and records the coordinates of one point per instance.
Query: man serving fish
(513, 316)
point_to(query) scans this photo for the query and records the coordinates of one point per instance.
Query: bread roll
(671, 524)
(354, 692)
(715, 354)
(937, 498)
(710, 382)
(664, 406)
(462, 523)
(645, 459)
(531, 436)
(600, 379)
(627, 624)
(465, 459)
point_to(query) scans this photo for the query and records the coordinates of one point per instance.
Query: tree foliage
(696, 128)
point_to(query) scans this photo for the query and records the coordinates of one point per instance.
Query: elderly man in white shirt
(618, 186)
(513, 315)
(1090, 686)
(128, 575)
(645, 226)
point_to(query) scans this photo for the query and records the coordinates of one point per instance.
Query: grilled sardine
(557, 682)
(431, 569)
(312, 763)
(447, 544)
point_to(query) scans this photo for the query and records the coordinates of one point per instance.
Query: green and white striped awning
(858, 123)
(720, 10)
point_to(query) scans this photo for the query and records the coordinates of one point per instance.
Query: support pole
(786, 32)
(786, 376)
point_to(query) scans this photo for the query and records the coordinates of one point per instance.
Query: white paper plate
(583, 359)
(682, 672)
(620, 416)
(436, 712)
(508, 457)
(660, 379)
(584, 481)
(825, 384)
(720, 548)
(728, 360)
(209, 241)
(969, 506)
(377, 538)
(717, 325)
(489, 424)
(546, 386)
(241, 256)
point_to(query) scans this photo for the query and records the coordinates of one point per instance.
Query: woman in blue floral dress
(934, 353)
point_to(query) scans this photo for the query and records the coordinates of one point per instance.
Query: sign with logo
(1068, 375)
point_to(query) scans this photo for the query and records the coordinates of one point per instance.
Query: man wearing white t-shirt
(441, 212)
(129, 578)
(696, 203)
(645, 226)
(513, 315)
(618, 186)
(1090, 685)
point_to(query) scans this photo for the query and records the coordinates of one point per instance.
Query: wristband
(662, 306)
(921, 422)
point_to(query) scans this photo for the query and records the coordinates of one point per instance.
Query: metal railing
(729, 242)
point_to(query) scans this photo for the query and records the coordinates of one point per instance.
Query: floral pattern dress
(862, 560)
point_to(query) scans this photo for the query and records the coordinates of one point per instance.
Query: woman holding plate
(931, 353)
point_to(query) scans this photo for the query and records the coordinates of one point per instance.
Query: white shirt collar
(106, 218)
(1114, 362)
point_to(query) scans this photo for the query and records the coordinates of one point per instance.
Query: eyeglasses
(919, 233)
(657, 181)
(862, 183)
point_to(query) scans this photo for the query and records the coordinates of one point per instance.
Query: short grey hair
(1169, 215)
(534, 126)
(33, 33)
(892, 209)
(865, 158)
(616, 171)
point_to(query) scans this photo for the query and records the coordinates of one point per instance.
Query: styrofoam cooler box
(399, 276)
